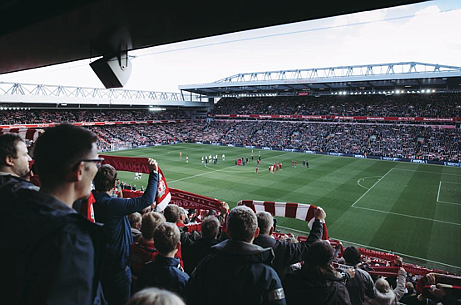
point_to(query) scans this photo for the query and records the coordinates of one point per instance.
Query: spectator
(155, 296)
(165, 271)
(317, 280)
(238, 272)
(362, 283)
(202, 246)
(144, 250)
(286, 253)
(112, 212)
(135, 220)
(61, 263)
(384, 293)
(14, 165)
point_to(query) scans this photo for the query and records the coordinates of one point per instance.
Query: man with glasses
(113, 212)
(52, 255)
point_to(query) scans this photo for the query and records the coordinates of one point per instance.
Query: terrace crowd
(387, 140)
(35, 116)
(404, 105)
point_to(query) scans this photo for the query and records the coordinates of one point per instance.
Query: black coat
(304, 287)
(236, 273)
(52, 255)
(193, 254)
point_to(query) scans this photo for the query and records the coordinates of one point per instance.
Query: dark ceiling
(37, 33)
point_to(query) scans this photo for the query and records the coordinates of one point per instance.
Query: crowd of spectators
(387, 140)
(36, 116)
(405, 105)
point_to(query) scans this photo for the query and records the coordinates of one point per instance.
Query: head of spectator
(410, 287)
(155, 296)
(135, 220)
(66, 158)
(319, 257)
(265, 223)
(382, 285)
(210, 227)
(242, 224)
(14, 158)
(166, 238)
(182, 216)
(150, 222)
(105, 179)
(172, 213)
(352, 256)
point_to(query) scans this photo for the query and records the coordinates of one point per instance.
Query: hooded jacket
(52, 255)
(236, 272)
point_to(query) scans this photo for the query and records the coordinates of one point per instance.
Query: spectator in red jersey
(144, 250)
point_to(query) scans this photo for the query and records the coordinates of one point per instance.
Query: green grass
(411, 209)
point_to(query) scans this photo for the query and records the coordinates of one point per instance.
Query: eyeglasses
(98, 161)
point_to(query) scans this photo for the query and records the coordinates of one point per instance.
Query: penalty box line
(438, 194)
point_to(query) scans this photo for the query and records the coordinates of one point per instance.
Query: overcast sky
(427, 32)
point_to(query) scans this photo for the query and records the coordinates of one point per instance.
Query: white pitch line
(374, 248)
(410, 216)
(358, 181)
(438, 192)
(371, 187)
(414, 170)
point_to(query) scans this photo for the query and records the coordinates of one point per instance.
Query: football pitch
(412, 209)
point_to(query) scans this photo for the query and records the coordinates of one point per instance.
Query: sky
(428, 32)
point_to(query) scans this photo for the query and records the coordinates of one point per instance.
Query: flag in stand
(140, 165)
(163, 192)
(286, 209)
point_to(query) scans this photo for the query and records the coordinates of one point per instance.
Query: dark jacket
(112, 212)
(193, 254)
(287, 253)
(304, 287)
(163, 273)
(361, 284)
(10, 184)
(236, 273)
(51, 254)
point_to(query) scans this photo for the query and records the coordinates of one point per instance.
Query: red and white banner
(194, 201)
(29, 134)
(300, 211)
(140, 165)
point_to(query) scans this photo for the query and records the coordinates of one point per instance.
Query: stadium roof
(41, 33)
(375, 78)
